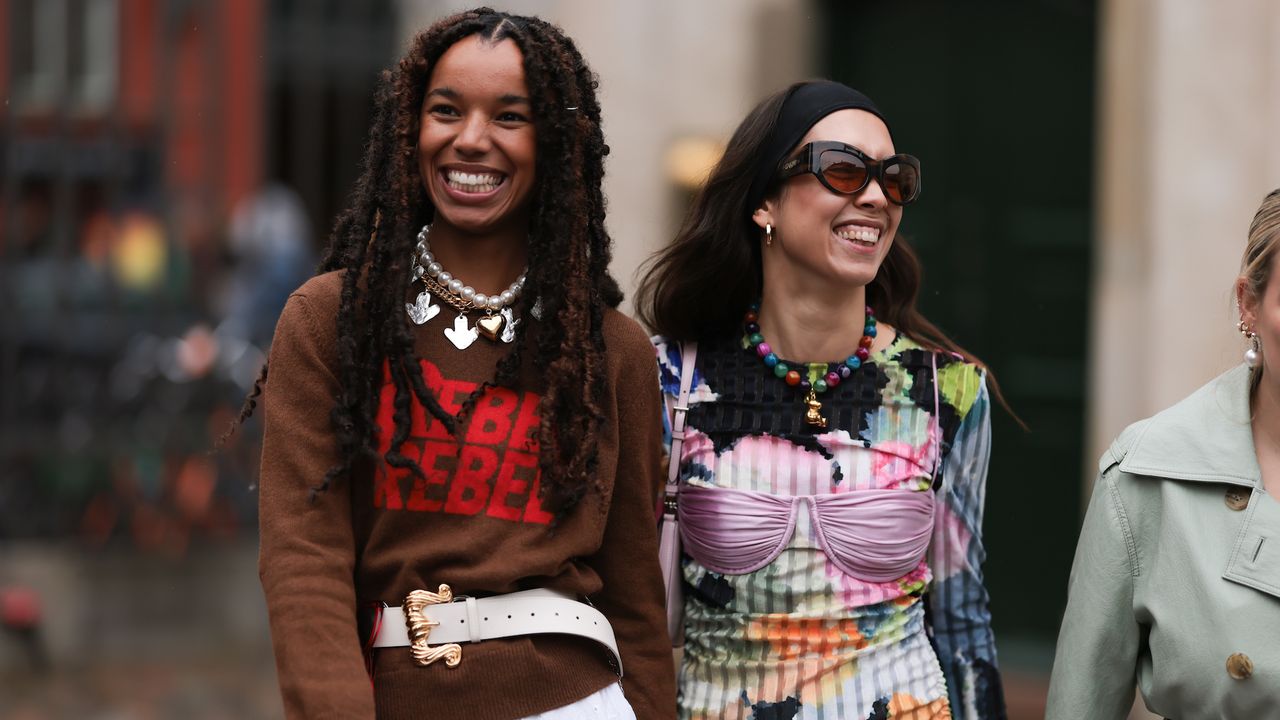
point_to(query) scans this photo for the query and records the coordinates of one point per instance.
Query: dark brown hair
(569, 253)
(714, 262)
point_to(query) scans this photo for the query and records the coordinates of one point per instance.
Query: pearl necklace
(836, 372)
(498, 323)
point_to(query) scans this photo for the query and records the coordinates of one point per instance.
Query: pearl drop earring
(1253, 353)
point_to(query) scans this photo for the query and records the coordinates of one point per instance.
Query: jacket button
(1237, 498)
(1239, 666)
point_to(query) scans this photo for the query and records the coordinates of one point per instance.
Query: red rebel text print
(493, 471)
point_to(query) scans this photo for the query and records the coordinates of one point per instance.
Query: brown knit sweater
(475, 524)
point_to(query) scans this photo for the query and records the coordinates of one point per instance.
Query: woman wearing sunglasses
(833, 456)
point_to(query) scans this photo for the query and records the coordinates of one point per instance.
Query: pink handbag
(669, 529)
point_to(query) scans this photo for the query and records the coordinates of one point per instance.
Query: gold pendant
(813, 415)
(490, 326)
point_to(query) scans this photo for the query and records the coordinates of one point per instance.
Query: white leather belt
(444, 622)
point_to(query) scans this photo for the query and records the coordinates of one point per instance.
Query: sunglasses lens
(901, 182)
(844, 172)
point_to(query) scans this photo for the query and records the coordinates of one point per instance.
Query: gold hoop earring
(768, 234)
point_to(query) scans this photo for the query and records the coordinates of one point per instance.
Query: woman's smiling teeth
(861, 234)
(473, 182)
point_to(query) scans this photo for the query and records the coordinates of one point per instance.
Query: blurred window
(40, 42)
(65, 50)
(94, 54)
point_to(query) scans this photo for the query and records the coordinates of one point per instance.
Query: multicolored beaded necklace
(836, 372)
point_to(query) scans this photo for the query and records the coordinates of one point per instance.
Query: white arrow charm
(421, 310)
(460, 335)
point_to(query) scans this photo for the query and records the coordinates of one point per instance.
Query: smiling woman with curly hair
(444, 412)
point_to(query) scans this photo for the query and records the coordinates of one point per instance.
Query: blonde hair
(1259, 254)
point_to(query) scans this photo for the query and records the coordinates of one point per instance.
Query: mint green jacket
(1176, 580)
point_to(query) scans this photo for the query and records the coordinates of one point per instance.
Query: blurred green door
(997, 100)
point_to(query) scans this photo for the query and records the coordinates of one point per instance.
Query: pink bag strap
(688, 357)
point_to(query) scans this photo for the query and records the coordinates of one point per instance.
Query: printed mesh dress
(834, 573)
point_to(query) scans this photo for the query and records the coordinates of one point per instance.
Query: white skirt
(606, 704)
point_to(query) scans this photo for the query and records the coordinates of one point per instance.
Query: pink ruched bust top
(873, 535)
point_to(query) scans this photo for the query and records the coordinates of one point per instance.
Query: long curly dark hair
(568, 254)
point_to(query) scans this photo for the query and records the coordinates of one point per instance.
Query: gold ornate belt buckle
(420, 627)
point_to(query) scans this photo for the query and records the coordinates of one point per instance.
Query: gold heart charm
(490, 325)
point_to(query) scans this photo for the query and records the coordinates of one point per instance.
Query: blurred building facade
(154, 152)
(1092, 167)
(130, 128)
(1188, 107)
(163, 162)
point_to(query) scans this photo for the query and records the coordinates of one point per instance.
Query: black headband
(803, 108)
